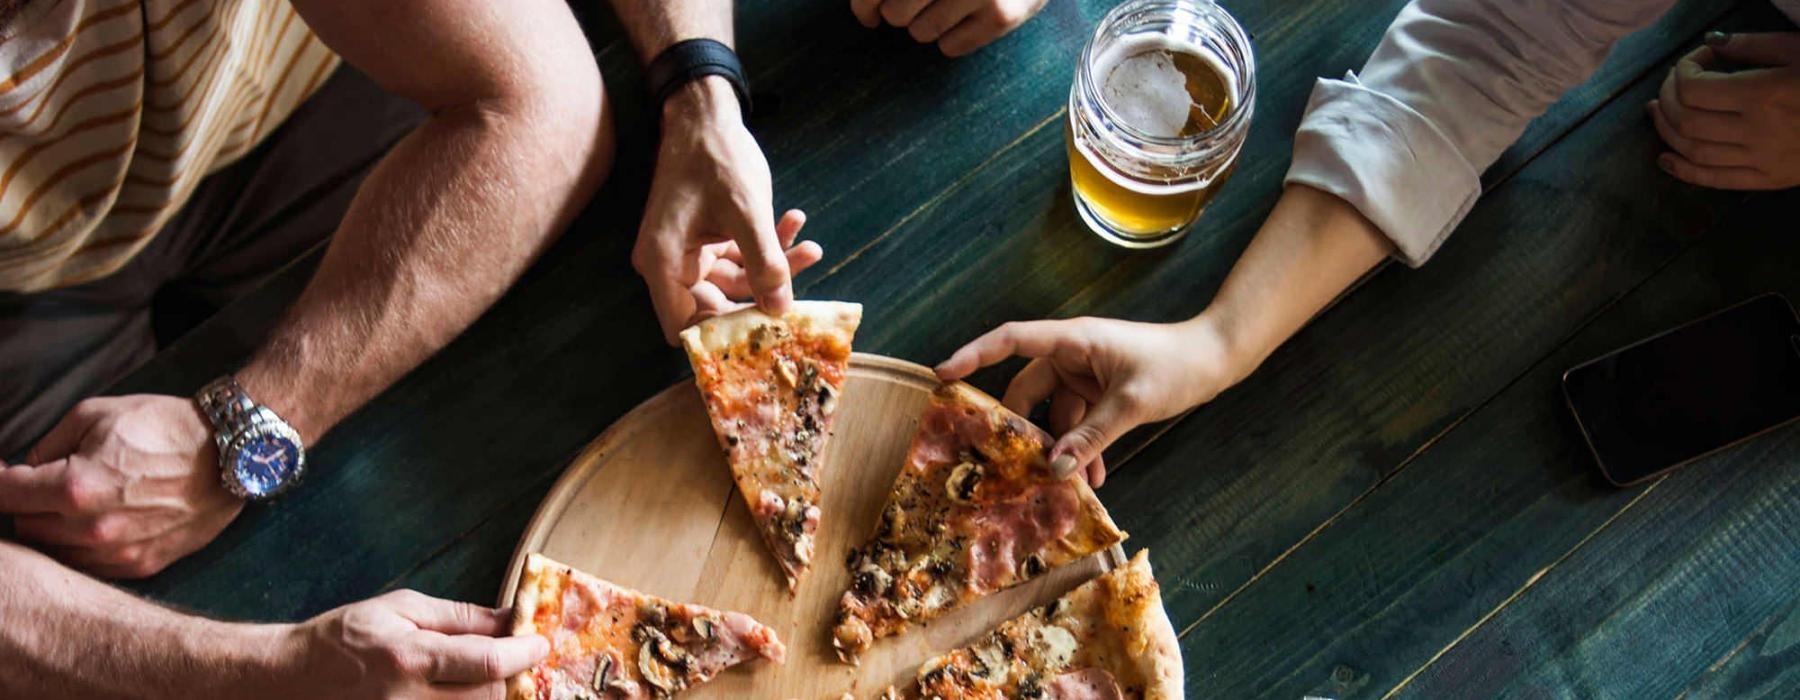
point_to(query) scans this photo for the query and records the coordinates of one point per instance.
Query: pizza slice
(974, 510)
(608, 642)
(771, 386)
(1107, 639)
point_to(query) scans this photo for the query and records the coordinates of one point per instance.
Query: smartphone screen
(1684, 393)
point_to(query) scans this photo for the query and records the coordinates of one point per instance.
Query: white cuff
(1388, 161)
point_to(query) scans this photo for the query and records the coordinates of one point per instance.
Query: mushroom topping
(784, 368)
(705, 627)
(851, 634)
(1032, 566)
(603, 674)
(962, 482)
(893, 518)
(827, 398)
(651, 614)
(658, 674)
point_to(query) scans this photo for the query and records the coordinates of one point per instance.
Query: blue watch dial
(265, 464)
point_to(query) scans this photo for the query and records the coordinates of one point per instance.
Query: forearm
(653, 25)
(1311, 249)
(441, 227)
(69, 636)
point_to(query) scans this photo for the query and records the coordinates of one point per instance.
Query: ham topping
(1005, 536)
(1083, 684)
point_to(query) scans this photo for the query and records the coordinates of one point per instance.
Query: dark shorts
(243, 224)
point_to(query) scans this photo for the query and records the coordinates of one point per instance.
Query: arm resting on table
(516, 142)
(69, 636)
(1451, 86)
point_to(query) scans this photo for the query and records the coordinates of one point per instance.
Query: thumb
(765, 263)
(1102, 425)
(1763, 49)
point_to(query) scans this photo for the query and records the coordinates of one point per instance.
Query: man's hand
(1737, 130)
(959, 27)
(406, 644)
(709, 239)
(122, 486)
(1102, 377)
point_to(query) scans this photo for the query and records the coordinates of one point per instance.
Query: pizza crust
(525, 603)
(1155, 650)
(837, 319)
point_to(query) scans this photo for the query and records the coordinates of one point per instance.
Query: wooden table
(1396, 503)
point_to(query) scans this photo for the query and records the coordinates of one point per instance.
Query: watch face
(265, 463)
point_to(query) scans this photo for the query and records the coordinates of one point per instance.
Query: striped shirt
(112, 111)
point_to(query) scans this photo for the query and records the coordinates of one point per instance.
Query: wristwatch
(260, 455)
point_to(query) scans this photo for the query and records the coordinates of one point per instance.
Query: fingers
(475, 658)
(787, 228)
(709, 301)
(729, 276)
(1764, 49)
(668, 295)
(900, 13)
(868, 12)
(983, 26)
(42, 489)
(1702, 151)
(1067, 409)
(1103, 424)
(1716, 177)
(1698, 88)
(940, 17)
(1096, 472)
(765, 263)
(447, 616)
(1026, 338)
(1030, 387)
(65, 437)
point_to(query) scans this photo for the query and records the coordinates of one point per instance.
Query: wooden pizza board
(650, 505)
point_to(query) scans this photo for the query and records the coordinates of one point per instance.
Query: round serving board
(650, 505)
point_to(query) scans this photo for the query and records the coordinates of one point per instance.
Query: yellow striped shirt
(111, 112)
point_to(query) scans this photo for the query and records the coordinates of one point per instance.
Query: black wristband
(693, 59)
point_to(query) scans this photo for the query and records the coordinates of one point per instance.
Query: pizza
(1108, 639)
(608, 642)
(771, 386)
(974, 510)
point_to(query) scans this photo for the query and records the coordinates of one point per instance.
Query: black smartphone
(1682, 394)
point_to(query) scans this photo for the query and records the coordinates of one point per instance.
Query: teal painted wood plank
(1238, 482)
(1506, 494)
(1004, 243)
(1765, 665)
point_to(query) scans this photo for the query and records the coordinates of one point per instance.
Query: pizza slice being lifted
(771, 386)
(974, 510)
(1108, 639)
(608, 642)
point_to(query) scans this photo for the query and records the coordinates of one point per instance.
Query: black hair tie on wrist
(686, 61)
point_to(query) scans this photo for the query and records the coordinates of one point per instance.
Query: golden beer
(1157, 115)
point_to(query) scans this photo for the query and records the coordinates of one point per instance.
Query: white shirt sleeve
(1452, 84)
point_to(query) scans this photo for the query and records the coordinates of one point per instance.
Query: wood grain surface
(650, 505)
(1392, 504)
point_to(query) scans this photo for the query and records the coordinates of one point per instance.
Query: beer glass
(1161, 103)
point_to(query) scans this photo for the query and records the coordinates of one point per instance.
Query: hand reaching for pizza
(958, 27)
(1102, 377)
(122, 486)
(406, 644)
(1733, 129)
(709, 240)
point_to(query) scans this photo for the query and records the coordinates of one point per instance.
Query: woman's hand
(1734, 130)
(1103, 377)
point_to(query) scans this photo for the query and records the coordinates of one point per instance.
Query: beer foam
(1145, 89)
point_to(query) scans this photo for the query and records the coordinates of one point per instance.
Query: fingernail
(1062, 466)
(1716, 38)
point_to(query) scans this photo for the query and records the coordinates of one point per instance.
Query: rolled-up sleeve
(1451, 85)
